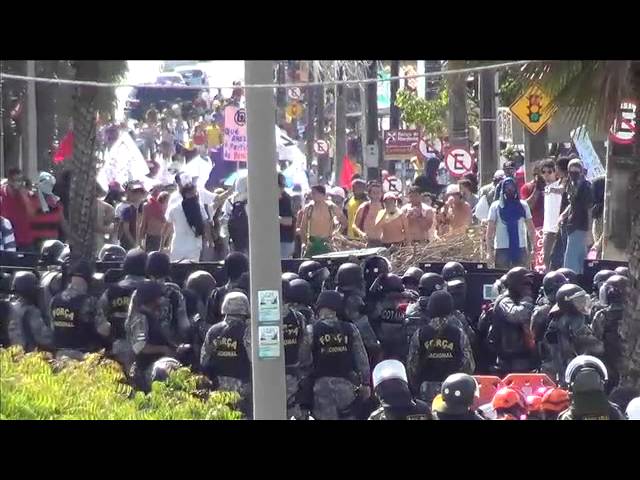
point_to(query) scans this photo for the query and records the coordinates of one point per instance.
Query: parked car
(144, 97)
(193, 76)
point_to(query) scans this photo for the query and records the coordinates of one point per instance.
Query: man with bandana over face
(509, 222)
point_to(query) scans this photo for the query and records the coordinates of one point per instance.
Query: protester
(559, 188)
(105, 218)
(575, 218)
(533, 192)
(48, 220)
(597, 213)
(154, 225)
(551, 207)
(467, 188)
(509, 222)
(235, 217)
(358, 197)
(487, 195)
(127, 213)
(456, 214)
(364, 222)
(285, 216)
(420, 218)
(318, 224)
(337, 195)
(7, 237)
(392, 222)
(16, 207)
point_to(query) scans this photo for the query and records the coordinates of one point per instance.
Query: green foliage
(33, 386)
(430, 115)
(510, 86)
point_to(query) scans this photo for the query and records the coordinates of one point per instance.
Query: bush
(35, 386)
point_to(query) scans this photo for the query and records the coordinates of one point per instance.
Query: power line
(495, 66)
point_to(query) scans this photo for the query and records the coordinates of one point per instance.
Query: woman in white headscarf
(48, 221)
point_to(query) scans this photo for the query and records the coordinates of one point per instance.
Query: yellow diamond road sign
(533, 109)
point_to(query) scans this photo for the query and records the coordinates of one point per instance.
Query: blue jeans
(286, 249)
(576, 251)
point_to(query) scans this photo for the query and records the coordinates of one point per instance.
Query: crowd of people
(359, 341)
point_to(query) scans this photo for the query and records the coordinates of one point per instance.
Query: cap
(453, 189)
(387, 370)
(389, 195)
(337, 191)
(498, 174)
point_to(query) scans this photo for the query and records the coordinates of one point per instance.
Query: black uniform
(73, 316)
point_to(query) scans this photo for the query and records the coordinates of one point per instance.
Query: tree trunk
(83, 179)
(458, 118)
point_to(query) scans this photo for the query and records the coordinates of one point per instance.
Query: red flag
(347, 171)
(65, 149)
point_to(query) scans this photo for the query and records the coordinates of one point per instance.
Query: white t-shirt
(502, 235)
(184, 245)
(552, 203)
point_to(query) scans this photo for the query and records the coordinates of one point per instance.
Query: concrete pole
(340, 124)
(31, 164)
(489, 147)
(267, 354)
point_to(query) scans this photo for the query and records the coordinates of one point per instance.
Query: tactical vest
(155, 336)
(231, 358)
(440, 353)
(333, 350)
(69, 329)
(119, 297)
(292, 334)
(392, 333)
(416, 410)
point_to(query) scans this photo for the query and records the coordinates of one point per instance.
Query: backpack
(239, 225)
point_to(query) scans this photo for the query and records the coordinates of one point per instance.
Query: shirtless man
(392, 222)
(456, 213)
(319, 221)
(364, 224)
(420, 218)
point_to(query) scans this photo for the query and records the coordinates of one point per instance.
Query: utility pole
(394, 111)
(340, 121)
(309, 133)
(267, 350)
(536, 147)
(31, 165)
(372, 117)
(489, 148)
(458, 119)
(323, 167)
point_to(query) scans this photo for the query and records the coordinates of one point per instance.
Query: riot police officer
(510, 335)
(201, 283)
(340, 377)
(389, 315)
(226, 352)
(598, 280)
(290, 276)
(455, 402)
(586, 376)
(568, 333)
(146, 335)
(113, 306)
(112, 253)
(438, 349)
(27, 326)
(606, 323)
(551, 282)
(198, 288)
(416, 315)
(314, 273)
(301, 298)
(392, 391)
(454, 274)
(411, 280)
(297, 351)
(350, 282)
(624, 271)
(570, 275)
(235, 264)
(51, 279)
(73, 315)
(374, 267)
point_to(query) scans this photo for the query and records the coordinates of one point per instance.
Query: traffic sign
(458, 161)
(533, 108)
(294, 93)
(294, 110)
(624, 127)
(321, 147)
(398, 142)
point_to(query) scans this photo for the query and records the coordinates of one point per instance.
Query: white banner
(123, 162)
(587, 153)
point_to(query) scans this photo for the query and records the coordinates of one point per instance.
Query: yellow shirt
(418, 165)
(352, 208)
(214, 136)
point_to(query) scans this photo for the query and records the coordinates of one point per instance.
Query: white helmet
(387, 370)
(633, 409)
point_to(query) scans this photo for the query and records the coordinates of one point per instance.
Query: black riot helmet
(158, 265)
(569, 274)
(551, 282)
(431, 282)
(202, 283)
(459, 391)
(300, 292)
(586, 373)
(624, 271)
(453, 271)
(50, 252)
(65, 255)
(440, 304)
(235, 264)
(373, 268)
(289, 276)
(601, 277)
(112, 253)
(571, 298)
(25, 284)
(135, 262)
(285, 290)
(389, 283)
(330, 299)
(613, 292)
(411, 277)
(350, 277)
(314, 273)
(517, 281)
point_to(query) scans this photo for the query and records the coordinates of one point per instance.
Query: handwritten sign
(538, 252)
(235, 134)
(587, 153)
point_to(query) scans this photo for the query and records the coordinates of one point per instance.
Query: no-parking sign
(458, 161)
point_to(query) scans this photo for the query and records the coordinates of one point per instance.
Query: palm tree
(593, 92)
(87, 102)
(458, 116)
